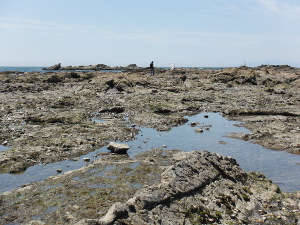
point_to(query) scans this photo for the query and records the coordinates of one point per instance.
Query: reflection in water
(280, 167)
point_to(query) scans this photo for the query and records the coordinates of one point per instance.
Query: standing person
(152, 68)
(173, 66)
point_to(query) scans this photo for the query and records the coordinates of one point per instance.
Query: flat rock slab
(118, 148)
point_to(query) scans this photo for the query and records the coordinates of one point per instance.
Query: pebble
(193, 124)
(199, 131)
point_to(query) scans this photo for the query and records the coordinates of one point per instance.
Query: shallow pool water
(3, 148)
(280, 167)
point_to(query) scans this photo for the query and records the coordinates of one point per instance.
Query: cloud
(74, 31)
(18, 23)
(21, 25)
(282, 8)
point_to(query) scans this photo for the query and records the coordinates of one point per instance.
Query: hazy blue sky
(121, 32)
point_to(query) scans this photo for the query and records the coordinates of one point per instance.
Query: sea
(40, 69)
(26, 69)
(22, 69)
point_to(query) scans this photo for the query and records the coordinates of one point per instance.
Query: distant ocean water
(40, 69)
(22, 69)
(33, 69)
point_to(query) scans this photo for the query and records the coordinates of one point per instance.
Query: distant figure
(173, 66)
(151, 68)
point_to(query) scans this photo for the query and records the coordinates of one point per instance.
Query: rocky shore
(48, 118)
(97, 67)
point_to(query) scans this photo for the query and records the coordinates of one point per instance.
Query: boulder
(118, 148)
(86, 159)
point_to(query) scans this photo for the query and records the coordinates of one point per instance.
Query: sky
(202, 33)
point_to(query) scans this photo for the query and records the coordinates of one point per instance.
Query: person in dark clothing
(152, 68)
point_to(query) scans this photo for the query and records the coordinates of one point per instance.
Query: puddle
(280, 167)
(3, 148)
(137, 185)
(108, 120)
(51, 186)
(106, 172)
(49, 210)
(132, 167)
(96, 120)
(81, 179)
(101, 186)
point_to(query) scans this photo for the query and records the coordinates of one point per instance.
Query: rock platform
(49, 117)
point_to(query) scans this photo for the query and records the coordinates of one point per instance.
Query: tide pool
(281, 167)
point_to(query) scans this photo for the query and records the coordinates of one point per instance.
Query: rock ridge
(181, 194)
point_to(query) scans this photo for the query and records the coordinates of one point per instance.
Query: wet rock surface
(48, 117)
(201, 188)
(155, 187)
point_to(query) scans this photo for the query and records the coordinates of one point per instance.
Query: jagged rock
(116, 211)
(54, 67)
(191, 174)
(118, 148)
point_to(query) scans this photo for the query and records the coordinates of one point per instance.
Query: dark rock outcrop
(54, 67)
(96, 67)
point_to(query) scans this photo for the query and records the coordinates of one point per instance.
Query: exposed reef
(49, 117)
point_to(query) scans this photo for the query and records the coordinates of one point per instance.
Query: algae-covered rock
(202, 188)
